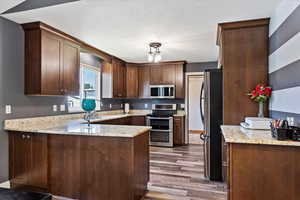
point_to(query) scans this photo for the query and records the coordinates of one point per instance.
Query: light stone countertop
(238, 134)
(75, 125)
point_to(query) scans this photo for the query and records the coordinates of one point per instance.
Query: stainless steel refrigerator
(211, 105)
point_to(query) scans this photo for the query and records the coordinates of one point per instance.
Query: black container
(280, 133)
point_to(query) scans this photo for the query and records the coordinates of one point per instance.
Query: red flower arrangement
(261, 93)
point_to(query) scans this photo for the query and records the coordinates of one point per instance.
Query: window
(89, 84)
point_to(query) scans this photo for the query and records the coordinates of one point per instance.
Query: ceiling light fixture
(154, 53)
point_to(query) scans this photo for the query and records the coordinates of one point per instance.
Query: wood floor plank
(178, 173)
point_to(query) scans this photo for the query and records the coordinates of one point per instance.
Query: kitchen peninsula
(259, 166)
(63, 156)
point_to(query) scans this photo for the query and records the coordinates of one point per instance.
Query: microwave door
(155, 92)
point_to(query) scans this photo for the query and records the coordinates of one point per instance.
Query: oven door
(161, 133)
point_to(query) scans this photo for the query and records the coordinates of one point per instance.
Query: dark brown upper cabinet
(244, 57)
(169, 73)
(51, 62)
(144, 81)
(114, 79)
(132, 81)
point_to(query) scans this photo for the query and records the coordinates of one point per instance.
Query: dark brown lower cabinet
(257, 171)
(179, 130)
(138, 120)
(81, 167)
(28, 160)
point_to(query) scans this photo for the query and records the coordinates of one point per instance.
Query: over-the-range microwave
(162, 91)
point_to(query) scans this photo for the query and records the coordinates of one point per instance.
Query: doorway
(194, 122)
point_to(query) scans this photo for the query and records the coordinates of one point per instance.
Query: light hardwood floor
(177, 173)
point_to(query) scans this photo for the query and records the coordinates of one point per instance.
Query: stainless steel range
(161, 121)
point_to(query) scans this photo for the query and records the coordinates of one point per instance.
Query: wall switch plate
(54, 108)
(121, 105)
(182, 106)
(110, 106)
(146, 105)
(63, 107)
(8, 109)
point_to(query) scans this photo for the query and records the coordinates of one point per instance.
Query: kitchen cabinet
(179, 130)
(244, 58)
(119, 69)
(138, 121)
(28, 159)
(144, 81)
(259, 171)
(170, 73)
(113, 79)
(162, 74)
(132, 81)
(51, 62)
(179, 81)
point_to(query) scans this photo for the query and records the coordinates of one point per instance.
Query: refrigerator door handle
(202, 136)
(201, 100)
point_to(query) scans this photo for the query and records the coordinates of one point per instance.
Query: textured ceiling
(124, 28)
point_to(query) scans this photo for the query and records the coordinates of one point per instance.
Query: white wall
(194, 87)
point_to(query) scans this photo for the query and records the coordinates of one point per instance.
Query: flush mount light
(154, 54)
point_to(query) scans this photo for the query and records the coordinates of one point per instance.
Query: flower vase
(261, 109)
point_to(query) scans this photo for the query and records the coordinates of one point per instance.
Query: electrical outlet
(146, 105)
(121, 105)
(110, 106)
(182, 106)
(8, 109)
(54, 108)
(63, 107)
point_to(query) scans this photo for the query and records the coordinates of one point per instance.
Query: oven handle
(160, 118)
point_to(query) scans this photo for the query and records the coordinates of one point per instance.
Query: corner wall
(284, 61)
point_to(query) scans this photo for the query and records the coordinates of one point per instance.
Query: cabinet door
(107, 80)
(122, 79)
(19, 161)
(168, 74)
(144, 81)
(132, 83)
(155, 75)
(39, 160)
(180, 82)
(179, 131)
(118, 78)
(70, 70)
(138, 121)
(51, 58)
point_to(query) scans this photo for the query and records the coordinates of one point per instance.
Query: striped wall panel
(284, 61)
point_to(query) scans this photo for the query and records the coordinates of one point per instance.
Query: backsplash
(139, 104)
(284, 61)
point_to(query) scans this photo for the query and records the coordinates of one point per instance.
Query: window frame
(74, 109)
